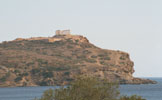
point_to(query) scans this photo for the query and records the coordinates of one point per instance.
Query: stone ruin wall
(62, 32)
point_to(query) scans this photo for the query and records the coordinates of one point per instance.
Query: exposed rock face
(58, 60)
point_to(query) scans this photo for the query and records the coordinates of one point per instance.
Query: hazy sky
(134, 26)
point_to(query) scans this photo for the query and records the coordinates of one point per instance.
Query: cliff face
(58, 60)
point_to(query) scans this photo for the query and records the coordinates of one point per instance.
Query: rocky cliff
(58, 60)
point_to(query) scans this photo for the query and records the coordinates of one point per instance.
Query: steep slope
(58, 60)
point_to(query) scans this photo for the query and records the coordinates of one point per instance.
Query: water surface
(148, 91)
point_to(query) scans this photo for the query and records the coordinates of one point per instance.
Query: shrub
(91, 60)
(84, 89)
(93, 56)
(35, 71)
(122, 63)
(58, 43)
(76, 41)
(44, 53)
(4, 78)
(101, 55)
(86, 52)
(47, 95)
(69, 46)
(59, 68)
(47, 74)
(122, 58)
(66, 73)
(16, 71)
(133, 97)
(25, 74)
(62, 68)
(41, 61)
(69, 41)
(18, 79)
(30, 63)
(105, 58)
(43, 83)
(103, 63)
(83, 45)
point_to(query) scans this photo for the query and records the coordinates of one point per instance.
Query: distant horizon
(134, 27)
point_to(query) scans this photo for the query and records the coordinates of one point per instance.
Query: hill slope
(57, 60)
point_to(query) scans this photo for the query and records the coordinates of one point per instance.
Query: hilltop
(57, 60)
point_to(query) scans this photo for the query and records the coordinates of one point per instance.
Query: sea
(147, 91)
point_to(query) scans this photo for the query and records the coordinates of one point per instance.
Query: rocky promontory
(57, 60)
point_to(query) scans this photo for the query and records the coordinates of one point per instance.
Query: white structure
(62, 32)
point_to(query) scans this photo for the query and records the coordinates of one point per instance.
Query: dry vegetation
(57, 60)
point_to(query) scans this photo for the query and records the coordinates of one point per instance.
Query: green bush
(102, 55)
(122, 58)
(58, 43)
(4, 78)
(35, 71)
(76, 41)
(66, 73)
(47, 74)
(105, 58)
(47, 95)
(19, 78)
(90, 60)
(83, 45)
(102, 63)
(16, 71)
(42, 61)
(122, 63)
(43, 83)
(93, 56)
(133, 97)
(86, 52)
(62, 68)
(86, 88)
(30, 63)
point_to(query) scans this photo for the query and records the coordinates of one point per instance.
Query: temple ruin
(62, 32)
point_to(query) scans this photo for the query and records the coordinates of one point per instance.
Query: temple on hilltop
(62, 32)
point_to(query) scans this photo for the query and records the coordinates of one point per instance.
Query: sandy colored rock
(57, 60)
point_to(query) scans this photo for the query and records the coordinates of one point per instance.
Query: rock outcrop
(58, 60)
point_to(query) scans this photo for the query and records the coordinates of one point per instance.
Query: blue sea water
(148, 91)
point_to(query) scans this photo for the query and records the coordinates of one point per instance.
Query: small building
(62, 32)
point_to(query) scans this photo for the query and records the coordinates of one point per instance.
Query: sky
(133, 26)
